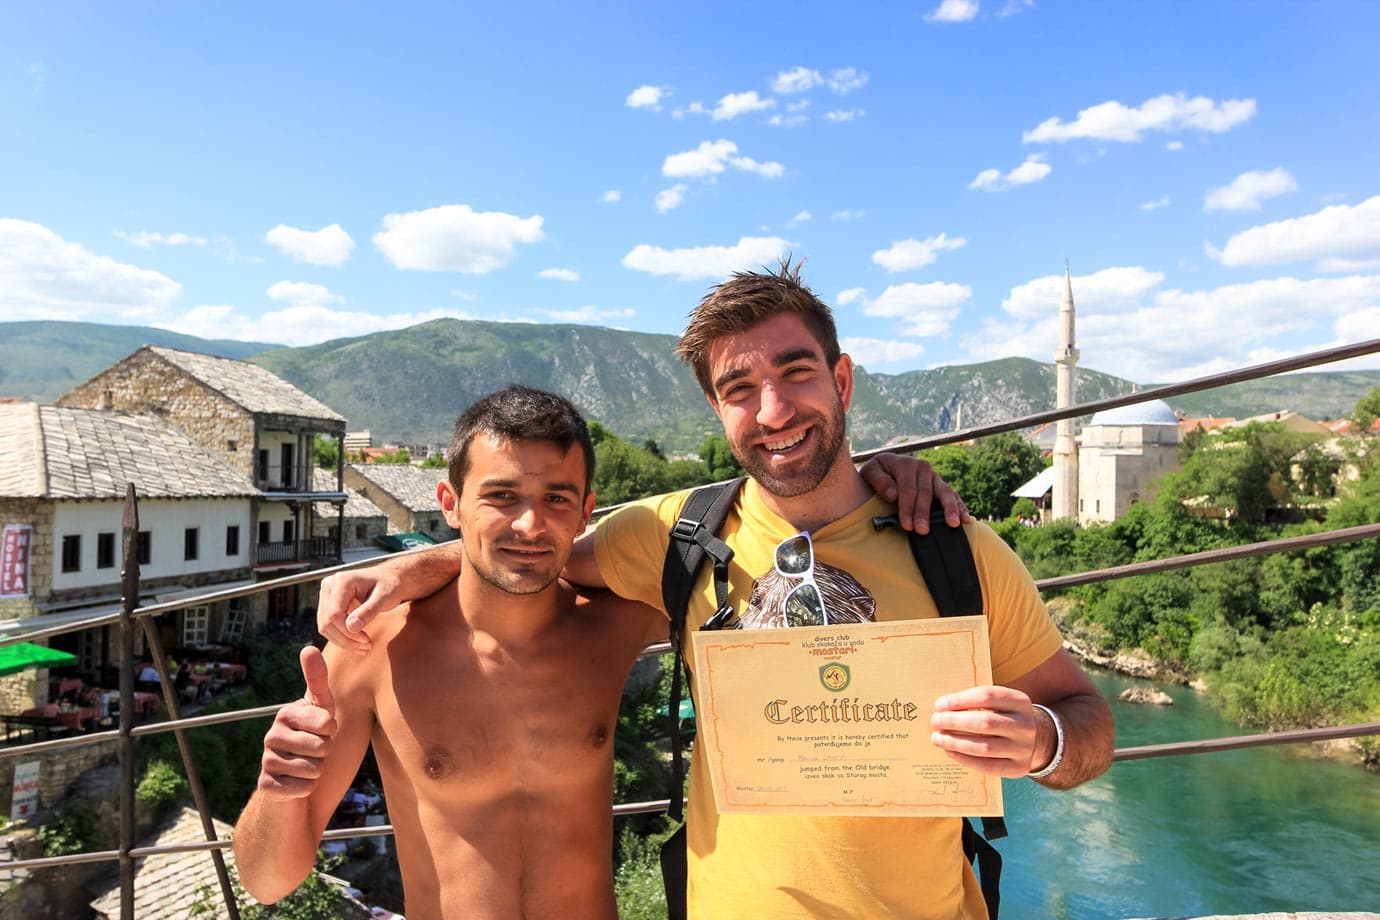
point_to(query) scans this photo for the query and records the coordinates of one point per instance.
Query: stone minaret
(1065, 450)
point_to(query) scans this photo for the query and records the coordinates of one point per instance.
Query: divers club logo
(834, 676)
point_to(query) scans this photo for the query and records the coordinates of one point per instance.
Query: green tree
(401, 456)
(624, 472)
(718, 459)
(1367, 409)
(1244, 471)
(1001, 464)
(327, 451)
(987, 473)
(434, 461)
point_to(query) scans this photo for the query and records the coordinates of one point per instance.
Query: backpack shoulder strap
(694, 536)
(946, 562)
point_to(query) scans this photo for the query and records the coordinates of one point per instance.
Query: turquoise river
(1236, 832)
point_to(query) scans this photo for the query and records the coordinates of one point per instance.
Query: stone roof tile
(255, 388)
(21, 469)
(413, 486)
(167, 885)
(91, 454)
(356, 505)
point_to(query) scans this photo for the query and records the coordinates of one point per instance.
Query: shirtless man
(491, 704)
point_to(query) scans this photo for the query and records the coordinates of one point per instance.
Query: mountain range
(408, 385)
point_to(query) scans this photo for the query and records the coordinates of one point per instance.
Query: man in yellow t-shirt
(826, 867)
(765, 351)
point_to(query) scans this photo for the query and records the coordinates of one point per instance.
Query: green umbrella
(22, 655)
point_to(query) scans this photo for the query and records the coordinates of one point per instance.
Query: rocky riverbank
(1090, 646)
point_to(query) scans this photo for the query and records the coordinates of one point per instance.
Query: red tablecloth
(72, 718)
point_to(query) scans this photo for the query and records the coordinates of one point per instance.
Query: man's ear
(589, 507)
(843, 380)
(450, 502)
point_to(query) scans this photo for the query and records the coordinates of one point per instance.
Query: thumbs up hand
(300, 738)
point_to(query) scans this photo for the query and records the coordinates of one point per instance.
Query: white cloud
(455, 238)
(924, 309)
(846, 79)
(1126, 327)
(295, 325)
(706, 262)
(303, 294)
(851, 296)
(848, 215)
(842, 115)
(146, 239)
(801, 217)
(588, 315)
(1112, 121)
(646, 97)
(794, 120)
(559, 274)
(796, 80)
(44, 276)
(1247, 190)
(612, 196)
(1032, 170)
(1015, 7)
(330, 246)
(908, 254)
(1175, 146)
(711, 158)
(872, 352)
(1358, 325)
(669, 199)
(1154, 205)
(735, 104)
(1336, 236)
(954, 11)
(1106, 291)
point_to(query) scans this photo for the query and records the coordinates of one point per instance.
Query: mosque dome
(1153, 412)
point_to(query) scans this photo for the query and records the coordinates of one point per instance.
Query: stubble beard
(810, 472)
(510, 582)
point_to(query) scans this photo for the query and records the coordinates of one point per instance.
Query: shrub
(161, 788)
(71, 829)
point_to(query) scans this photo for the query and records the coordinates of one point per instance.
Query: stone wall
(57, 771)
(22, 690)
(144, 382)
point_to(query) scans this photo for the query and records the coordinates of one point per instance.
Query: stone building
(257, 423)
(64, 473)
(359, 523)
(1120, 453)
(407, 494)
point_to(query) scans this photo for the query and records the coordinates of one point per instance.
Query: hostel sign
(14, 560)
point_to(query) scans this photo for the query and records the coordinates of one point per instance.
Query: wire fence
(132, 616)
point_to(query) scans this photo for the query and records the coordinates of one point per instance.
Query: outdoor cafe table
(72, 718)
(230, 673)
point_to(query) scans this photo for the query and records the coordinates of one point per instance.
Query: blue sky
(296, 172)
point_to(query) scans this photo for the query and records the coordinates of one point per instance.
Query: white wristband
(1058, 744)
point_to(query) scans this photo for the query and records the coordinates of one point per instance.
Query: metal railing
(131, 616)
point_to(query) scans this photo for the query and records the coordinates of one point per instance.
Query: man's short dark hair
(743, 301)
(519, 413)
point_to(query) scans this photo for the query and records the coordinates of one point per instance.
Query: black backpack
(946, 563)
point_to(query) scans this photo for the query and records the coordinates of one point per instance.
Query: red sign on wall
(14, 560)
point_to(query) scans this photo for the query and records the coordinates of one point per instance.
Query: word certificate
(835, 720)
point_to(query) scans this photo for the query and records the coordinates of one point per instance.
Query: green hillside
(41, 360)
(409, 385)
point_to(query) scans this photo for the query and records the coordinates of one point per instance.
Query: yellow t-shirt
(765, 867)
